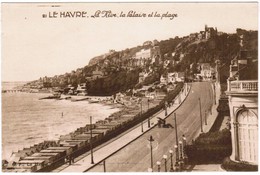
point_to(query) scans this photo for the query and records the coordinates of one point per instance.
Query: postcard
(129, 87)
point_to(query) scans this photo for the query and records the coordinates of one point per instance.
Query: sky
(33, 46)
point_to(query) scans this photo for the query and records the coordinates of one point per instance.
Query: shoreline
(8, 147)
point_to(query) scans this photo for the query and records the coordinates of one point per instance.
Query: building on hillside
(163, 79)
(210, 32)
(82, 89)
(206, 71)
(150, 95)
(179, 76)
(97, 74)
(172, 77)
(243, 105)
(151, 55)
(142, 76)
(193, 36)
(201, 35)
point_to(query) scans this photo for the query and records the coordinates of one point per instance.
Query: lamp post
(171, 153)
(151, 146)
(184, 140)
(165, 162)
(104, 166)
(165, 109)
(176, 131)
(201, 123)
(91, 148)
(149, 125)
(181, 154)
(158, 165)
(214, 91)
(142, 127)
(177, 157)
(205, 117)
(148, 100)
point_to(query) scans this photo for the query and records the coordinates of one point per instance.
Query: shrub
(230, 165)
(207, 153)
(211, 147)
(219, 137)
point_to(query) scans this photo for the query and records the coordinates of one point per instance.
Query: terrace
(243, 87)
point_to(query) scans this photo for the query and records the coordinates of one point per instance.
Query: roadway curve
(136, 156)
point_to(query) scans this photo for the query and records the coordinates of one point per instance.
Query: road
(136, 156)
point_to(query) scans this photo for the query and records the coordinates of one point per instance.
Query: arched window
(247, 136)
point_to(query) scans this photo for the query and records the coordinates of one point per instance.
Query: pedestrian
(69, 160)
(72, 159)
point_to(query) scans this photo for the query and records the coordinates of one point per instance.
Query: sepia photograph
(129, 87)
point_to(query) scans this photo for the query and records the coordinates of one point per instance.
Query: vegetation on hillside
(115, 82)
(182, 53)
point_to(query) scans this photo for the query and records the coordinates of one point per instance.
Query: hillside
(117, 71)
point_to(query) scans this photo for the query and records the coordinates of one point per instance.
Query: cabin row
(43, 155)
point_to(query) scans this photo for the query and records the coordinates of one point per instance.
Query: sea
(26, 120)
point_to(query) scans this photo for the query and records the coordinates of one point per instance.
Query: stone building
(151, 55)
(243, 105)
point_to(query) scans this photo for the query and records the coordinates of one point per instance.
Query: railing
(243, 86)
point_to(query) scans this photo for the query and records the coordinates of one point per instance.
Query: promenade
(211, 115)
(83, 163)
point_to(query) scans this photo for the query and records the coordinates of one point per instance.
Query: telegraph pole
(201, 123)
(149, 125)
(176, 131)
(142, 127)
(176, 146)
(206, 117)
(151, 146)
(91, 146)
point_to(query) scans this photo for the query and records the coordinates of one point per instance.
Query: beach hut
(38, 163)
(48, 159)
(54, 155)
(68, 150)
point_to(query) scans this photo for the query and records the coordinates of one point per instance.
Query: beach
(26, 120)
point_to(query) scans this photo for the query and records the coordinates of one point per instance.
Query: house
(171, 77)
(201, 35)
(163, 79)
(142, 76)
(180, 76)
(97, 74)
(206, 71)
(243, 105)
(150, 95)
(151, 55)
(82, 89)
(210, 32)
(71, 90)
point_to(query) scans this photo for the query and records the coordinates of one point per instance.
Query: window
(248, 137)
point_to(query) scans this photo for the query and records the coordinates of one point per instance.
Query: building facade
(243, 105)
(150, 55)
